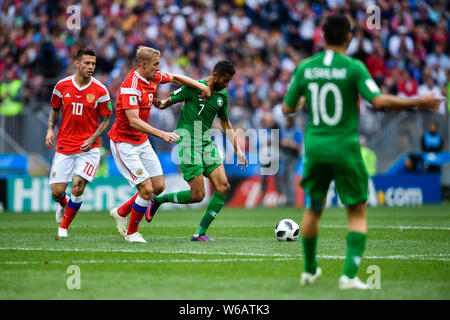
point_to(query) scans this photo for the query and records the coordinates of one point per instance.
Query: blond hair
(146, 54)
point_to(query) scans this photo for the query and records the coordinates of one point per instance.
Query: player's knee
(197, 196)
(77, 191)
(224, 188)
(146, 193)
(158, 189)
(57, 194)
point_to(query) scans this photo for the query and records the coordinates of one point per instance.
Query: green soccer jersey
(198, 114)
(330, 82)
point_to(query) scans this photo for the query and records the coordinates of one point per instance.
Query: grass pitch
(409, 245)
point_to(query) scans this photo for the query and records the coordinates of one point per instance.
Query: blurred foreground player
(133, 154)
(330, 81)
(82, 99)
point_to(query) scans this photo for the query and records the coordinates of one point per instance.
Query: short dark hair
(84, 51)
(336, 29)
(224, 67)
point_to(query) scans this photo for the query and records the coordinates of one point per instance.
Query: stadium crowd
(265, 39)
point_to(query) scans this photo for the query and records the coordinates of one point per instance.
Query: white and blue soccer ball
(287, 230)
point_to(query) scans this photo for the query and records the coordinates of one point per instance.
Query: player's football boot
(347, 283)
(60, 212)
(62, 233)
(120, 221)
(202, 237)
(309, 278)
(151, 210)
(134, 237)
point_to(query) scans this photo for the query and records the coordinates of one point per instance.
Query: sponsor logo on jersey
(76, 96)
(67, 95)
(133, 101)
(219, 101)
(90, 97)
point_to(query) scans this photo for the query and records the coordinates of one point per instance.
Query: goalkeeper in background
(331, 83)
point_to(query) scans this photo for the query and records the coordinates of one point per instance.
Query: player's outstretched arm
(87, 145)
(52, 121)
(137, 123)
(394, 103)
(228, 128)
(186, 81)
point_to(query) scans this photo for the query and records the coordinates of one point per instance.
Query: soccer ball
(287, 230)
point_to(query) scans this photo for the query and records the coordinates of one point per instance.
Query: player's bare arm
(228, 128)
(87, 145)
(163, 104)
(394, 103)
(288, 110)
(52, 121)
(137, 123)
(186, 81)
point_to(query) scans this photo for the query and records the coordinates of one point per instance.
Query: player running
(331, 81)
(133, 154)
(82, 99)
(199, 155)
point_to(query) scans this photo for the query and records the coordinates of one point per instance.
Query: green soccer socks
(214, 206)
(356, 243)
(309, 249)
(182, 197)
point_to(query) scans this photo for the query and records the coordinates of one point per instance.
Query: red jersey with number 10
(81, 108)
(134, 93)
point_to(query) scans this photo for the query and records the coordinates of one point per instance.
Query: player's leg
(129, 164)
(310, 236)
(352, 187)
(158, 187)
(145, 194)
(316, 180)
(59, 195)
(221, 186)
(196, 192)
(85, 168)
(356, 243)
(193, 174)
(74, 203)
(60, 176)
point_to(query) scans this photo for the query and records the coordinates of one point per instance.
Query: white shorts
(66, 166)
(136, 162)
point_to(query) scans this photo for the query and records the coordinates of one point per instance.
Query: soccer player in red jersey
(133, 154)
(82, 99)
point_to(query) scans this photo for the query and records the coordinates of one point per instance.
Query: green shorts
(350, 176)
(199, 159)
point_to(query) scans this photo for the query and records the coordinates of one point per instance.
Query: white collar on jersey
(78, 87)
(141, 77)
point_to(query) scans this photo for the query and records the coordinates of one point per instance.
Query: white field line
(391, 227)
(268, 257)
(265, 226)
(369, 227)
(324, 257)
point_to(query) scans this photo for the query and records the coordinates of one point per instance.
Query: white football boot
(120, 221)
(347, 283)
(62, 233)
(134, 237)
(309, 278)
(60, 212)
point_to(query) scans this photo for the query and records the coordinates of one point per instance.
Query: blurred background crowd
(265, 39)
